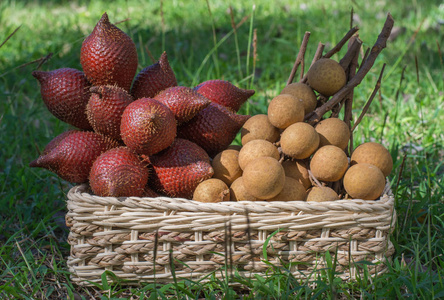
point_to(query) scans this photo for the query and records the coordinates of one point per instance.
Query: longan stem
(341, 43)
(299, 58)
(316, 57)
(313, 179)
(380, 44)
(353, 49)
(369, 101)
(348, 103)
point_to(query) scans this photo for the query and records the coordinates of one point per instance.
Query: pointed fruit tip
(35, 163)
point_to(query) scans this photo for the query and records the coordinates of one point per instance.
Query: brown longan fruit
(256, 148)
(326, 76)
(293, 191)
(303, 92)
(321, 194)
(212, 190)
(226, 166)
(364, 181)
(259, 127)
(333, 131)
(285, 110)
(299, 140)
(375, 154)
(264, 177)
(329, 163)
(298, 170)
(239, 193)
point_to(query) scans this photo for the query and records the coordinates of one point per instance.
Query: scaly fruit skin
(65, 93)
(108, 56)
(213, 129)
(148, 126)
(105, 109)
(153, 79)
(71, 154)
(118, 172)
(183, 101)
(180, 168)
(224, 93)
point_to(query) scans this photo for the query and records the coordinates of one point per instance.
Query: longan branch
(351, 53)
(369, 101)
(348, 102)
(317, 56)
(380, 44)
(348, 106)
(341, 43)
(300, 57)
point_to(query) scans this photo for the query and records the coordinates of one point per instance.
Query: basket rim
(384, 203)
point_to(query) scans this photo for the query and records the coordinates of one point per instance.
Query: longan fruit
(264, 177)
(375, 154)
(259, 127)
(329, 163)
(293, 191)
(285, 110)
(226, 166)
(298, 170)
(303, 92)
(239, 193)
(321, 194)
(326, 76)
(333, 131)
(299, 140)
(364, 181)
(212, 190)
(256, 148)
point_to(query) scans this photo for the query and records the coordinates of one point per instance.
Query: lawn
(407, 116)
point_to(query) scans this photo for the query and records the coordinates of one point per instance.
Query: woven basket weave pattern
(141, 239)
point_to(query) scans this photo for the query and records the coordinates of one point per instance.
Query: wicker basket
(141, 239)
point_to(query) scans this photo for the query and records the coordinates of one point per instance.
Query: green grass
(407, 116)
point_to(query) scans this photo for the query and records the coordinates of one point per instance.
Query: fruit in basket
(264, 177)
(109, 56)
(333, 131)
(258, 127)
(303, 92)
(71, 154)
(375, 154)
(213, 128)
(321, 194)
(65, 93)
(224, 93)
(148, 126)
(299, 140)
(180, 168)
(285, 110)
(118, 172)
(298, 170)
(183, 101)
(239, 193)
(293, 190)
(105, 108)
(326, 76)
(212, 190)
(153, 79)
(364, 181)
(226, 166)
(254, 149)
(329, 163)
